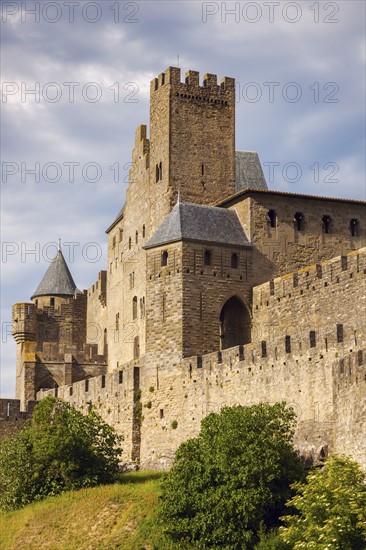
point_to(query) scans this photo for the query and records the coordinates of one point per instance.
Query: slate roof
(196, 222)
(116, 219)
(249, 173)
(57, 281)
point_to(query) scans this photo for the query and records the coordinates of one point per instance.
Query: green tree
(331, 508)
(233, 477)
(59, 449)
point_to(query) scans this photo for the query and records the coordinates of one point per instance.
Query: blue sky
(299, 68)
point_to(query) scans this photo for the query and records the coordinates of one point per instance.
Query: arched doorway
(234, 324)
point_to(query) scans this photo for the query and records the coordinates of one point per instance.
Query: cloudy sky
(75, 81)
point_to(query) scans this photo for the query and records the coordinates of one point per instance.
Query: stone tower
(50, 334)
(192, 140)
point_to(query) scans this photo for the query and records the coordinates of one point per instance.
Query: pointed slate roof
(196, 222)
(249, 173)
(57, 280)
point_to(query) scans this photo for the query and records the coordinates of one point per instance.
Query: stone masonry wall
(349, 418)
(282, 249)
(96, 318)
(311, 375)
(207, 288)
(192, 134)
(126, 277)
(12, 419)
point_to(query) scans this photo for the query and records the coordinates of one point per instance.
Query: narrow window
(161, 413)
(312, 338)
(86, 385)
(264, 348)
(339, 334)
(157, 173)
(353, 225)
(136, 237)
(110, 267)
(234, 261)
(272, 218)
(134, 307)
(326, 223)
(299, 221)
(207, 257)
(143, 231)
(288, 344)
(136, 347)
(52, 301)
(164, 258)
(103, 380)
(129, 243)
(114, 242)
(36, 302)
(142, 308)
(202, 169)
(160, 171)
(71, 390)
(117, 321)
(120, 377)
(120, 235)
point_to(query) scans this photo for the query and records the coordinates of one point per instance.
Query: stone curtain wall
(315, 298)
(12, 418)
(329, 399)
(349, 420)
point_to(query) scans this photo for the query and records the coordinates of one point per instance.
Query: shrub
(232, 478)
(59, 449)
(331, 509)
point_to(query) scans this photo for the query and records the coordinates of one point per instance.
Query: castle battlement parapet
(311, 278)
(172, 76)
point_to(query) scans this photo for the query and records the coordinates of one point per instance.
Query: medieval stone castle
(217, 291)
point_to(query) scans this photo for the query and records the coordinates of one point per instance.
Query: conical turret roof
(57, 280)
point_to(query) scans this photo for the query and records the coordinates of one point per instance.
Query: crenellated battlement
(99, 288)
(311, 278)
(191, 88)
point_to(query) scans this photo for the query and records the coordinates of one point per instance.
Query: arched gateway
(234, 324)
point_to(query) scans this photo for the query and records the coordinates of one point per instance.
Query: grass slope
(114, 516)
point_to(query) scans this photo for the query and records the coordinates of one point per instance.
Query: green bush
(59, 449)
(174, 424)
(330, 509)
(232, 478)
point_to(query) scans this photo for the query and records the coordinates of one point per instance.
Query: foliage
(235, 475)
(331, 508)
(58, 450)
(271, 540)
(174, 424)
